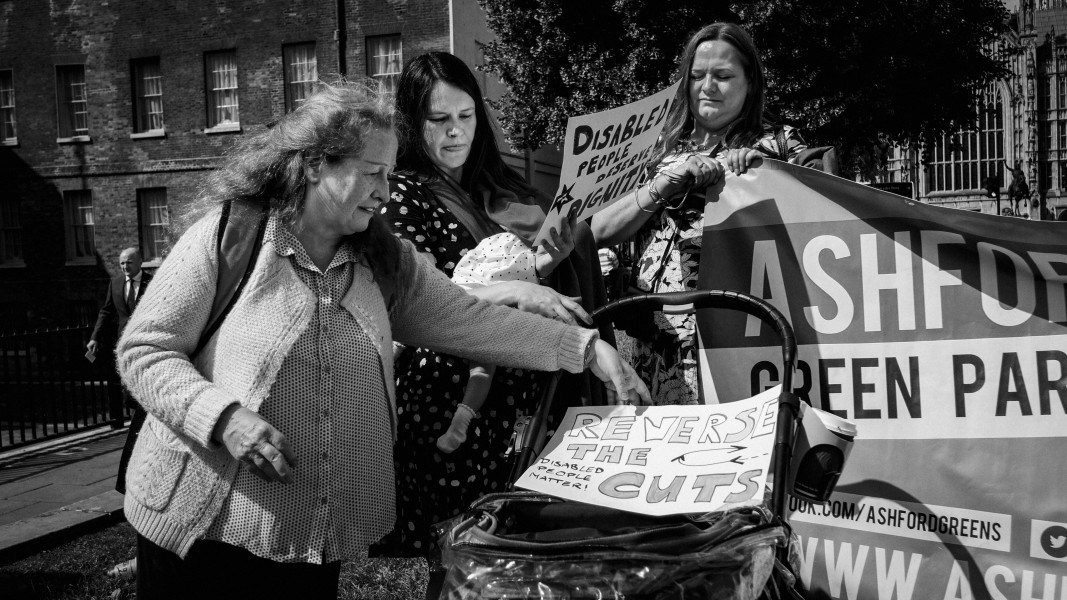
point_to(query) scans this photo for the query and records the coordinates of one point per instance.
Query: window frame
(8, 109)
(79, 251)
(142, 110)
(962, 161)
(223, 126)
(11, 234)
(387, 79)
(145, 230)
(291, 85)
(66, 99)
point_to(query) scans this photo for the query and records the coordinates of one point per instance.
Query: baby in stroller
(496, 259)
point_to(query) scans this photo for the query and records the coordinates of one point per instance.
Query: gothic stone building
(1021, 135)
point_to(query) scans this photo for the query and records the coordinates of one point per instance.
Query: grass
(77, 570)
(74, 570)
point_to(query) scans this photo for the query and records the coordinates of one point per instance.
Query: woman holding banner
(451, 191)
(715, 123)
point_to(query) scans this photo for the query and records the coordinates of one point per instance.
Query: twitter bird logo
(1054, 541)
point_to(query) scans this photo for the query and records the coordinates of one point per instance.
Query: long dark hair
(416, 83)
(268, 167)
(748, 127)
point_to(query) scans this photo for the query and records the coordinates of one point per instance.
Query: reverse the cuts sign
(660, 460)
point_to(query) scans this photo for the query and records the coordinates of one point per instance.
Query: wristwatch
(590, 352)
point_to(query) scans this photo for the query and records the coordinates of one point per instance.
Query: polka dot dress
(433, 486)
(329, 400)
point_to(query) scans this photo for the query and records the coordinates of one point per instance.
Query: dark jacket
(114, 313)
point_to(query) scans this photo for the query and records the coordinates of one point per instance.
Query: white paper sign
(604, 156)
(661, 460)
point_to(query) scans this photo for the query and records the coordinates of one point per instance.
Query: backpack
(237, 248)
(820, 158)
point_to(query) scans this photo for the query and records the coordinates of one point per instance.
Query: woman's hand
(556, 249)
(738, 160)
(250, 439)
(698, 171)
(547, 302)
(534, 298)
(618, 376)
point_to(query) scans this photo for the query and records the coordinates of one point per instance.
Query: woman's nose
(708, 82)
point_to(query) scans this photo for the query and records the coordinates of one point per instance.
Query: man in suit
(123, 292)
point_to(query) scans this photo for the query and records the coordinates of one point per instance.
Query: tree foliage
(853, 73)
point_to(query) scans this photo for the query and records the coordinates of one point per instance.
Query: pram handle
(714, 299)
(788, 408)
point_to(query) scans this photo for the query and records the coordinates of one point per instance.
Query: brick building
(1022, 123)
(111, 114)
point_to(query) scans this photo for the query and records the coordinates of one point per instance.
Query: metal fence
(48, 388)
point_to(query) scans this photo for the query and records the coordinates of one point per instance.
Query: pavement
(55, 491)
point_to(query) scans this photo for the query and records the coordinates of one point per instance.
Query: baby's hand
(556, 249)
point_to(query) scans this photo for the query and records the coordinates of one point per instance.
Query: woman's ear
(311, 172)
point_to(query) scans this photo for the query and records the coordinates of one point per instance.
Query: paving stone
(8, 506)
(29, 510)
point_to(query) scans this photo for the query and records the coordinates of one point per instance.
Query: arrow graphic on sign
(713, 456)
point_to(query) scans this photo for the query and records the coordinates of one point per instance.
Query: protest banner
(660, 460)
(942, 334)
(604, 156)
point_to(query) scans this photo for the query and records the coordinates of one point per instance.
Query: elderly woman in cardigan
(266, 460)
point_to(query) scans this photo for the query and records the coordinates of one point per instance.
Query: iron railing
(48, 388)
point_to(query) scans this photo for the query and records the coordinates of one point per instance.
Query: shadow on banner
(941, 334)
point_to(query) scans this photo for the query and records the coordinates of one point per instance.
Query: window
(300, 72)
(81, 242)
(384, 60)
(221, 71)
(8, 132)
(72, 102)
(898, 163)
(10, 234)
(147, 95)
(1061, 81)
(963, 161)
(154, 218)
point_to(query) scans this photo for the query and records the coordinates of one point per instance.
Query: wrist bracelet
(643, 209)
(653, 193)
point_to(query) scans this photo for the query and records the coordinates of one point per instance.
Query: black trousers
(217, 570)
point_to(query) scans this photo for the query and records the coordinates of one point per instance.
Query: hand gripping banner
(942, 334)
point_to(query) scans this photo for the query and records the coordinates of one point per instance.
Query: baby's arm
(554, 250)
(481, 378)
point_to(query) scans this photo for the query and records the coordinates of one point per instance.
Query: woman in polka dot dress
(452, 190)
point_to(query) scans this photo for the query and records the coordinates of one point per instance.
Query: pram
(531, 545)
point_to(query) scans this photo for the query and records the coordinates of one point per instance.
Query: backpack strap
(237, 246)
(782, 144)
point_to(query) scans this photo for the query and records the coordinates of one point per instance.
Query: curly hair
(268, 167)
(748, 126)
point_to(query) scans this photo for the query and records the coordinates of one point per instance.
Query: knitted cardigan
(178, 477)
